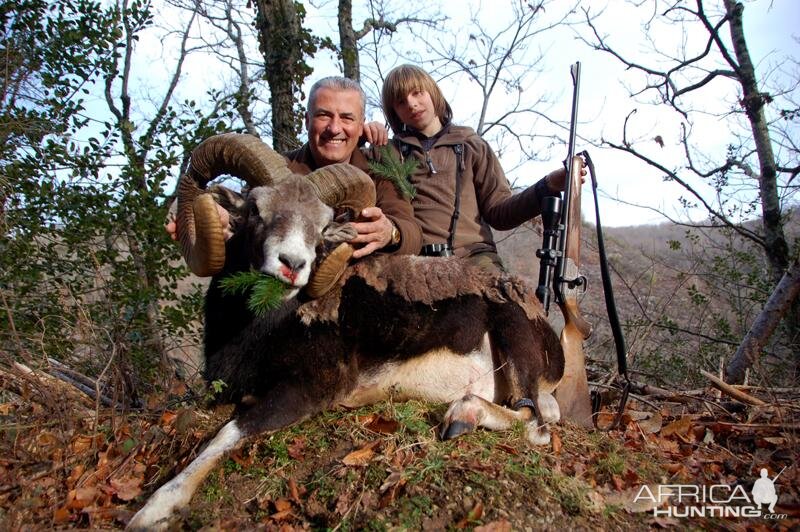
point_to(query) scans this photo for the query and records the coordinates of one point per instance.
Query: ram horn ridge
(348, 190)
(199, 229)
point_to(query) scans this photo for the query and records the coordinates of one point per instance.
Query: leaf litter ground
(382, 468)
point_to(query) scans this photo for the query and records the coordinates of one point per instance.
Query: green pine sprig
(398, 172)
(266, 292)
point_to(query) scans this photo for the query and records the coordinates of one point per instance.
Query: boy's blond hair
(400, 82)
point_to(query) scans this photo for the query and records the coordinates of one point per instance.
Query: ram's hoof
(456, 428)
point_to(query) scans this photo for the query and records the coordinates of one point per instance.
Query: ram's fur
(400, 326)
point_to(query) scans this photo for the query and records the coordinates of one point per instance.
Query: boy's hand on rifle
(557, 179)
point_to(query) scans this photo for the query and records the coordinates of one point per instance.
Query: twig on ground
(731, 391)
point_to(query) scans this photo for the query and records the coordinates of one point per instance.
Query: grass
(436, 484)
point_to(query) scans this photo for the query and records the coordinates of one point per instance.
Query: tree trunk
(347, 41)
(284, 45)
(774, 310)
(777, 249)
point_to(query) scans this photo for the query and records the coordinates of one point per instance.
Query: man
(335, 123)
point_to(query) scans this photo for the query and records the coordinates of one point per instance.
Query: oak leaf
(362, 456)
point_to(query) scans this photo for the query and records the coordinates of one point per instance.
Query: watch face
(395, 234)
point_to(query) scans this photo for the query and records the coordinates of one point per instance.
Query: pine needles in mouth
(266, 292)
(392, 168)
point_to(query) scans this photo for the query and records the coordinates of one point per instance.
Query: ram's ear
(231, 201)
(336, 232)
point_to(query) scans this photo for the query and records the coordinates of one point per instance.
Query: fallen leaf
(631, 477)
(618, 483)
(605, 419)
(556, 440)
(507, 448)
(394, 478)
(282, 516)
(75, 475)
(297, 448)
(680, 428)
(282, 505)
(81, 497)
(167, 419)
(177, 387)
(241, 460)
(473, 515)
(81, 443)
(391, 487)
(361, 457)
(61, 515)
(651, 425)
(343, 502)
(46, 439)
(380, 424)
(669, 446)
(634, 415)
(128, 488)
(294, 491)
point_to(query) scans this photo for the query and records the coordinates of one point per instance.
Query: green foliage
(86, 269)
(266, 292)
(389, 166)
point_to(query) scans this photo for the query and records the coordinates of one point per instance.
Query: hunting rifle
(560, 267)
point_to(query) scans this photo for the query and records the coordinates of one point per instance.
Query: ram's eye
(253, 210)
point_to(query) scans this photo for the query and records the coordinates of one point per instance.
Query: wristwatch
(395, 240)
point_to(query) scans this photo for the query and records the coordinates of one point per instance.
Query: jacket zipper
(430, 162)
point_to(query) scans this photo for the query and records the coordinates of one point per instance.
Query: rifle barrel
(575, 70)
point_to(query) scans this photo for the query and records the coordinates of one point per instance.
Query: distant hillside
(676, 292)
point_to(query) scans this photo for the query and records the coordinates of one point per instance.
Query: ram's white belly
(438, 376)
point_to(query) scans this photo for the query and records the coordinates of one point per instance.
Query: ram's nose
(291, 266)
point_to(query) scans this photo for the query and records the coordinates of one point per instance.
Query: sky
(605, 102)
(625, 185)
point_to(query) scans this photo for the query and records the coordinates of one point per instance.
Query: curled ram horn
(343, 187)
(199, 229)
(348, 190)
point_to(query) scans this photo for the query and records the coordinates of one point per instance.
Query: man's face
(335, 123)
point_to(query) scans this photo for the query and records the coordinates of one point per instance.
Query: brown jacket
(393, 205)
(486, 197)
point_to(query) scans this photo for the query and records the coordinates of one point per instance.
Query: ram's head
(286, 215)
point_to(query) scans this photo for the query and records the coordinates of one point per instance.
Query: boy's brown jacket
(486, 197)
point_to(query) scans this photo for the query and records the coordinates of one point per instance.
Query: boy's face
(335, 123)
(416, 110)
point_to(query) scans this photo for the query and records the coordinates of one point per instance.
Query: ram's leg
(162, 506)
(279, 409)
(545, 412)
(470, 412)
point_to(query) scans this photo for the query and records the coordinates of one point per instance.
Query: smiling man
(335, 123)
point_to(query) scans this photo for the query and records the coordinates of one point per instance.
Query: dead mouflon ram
(404, 327)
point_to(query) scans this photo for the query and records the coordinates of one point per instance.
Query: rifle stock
(572, 393)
